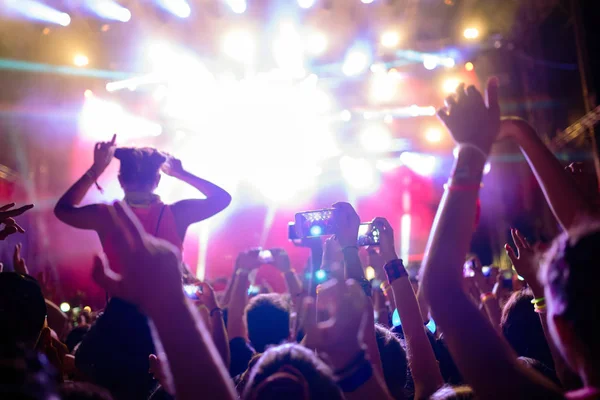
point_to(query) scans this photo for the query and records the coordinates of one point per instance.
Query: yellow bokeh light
(390, 39)
(80, 60)
(369, 273)
(450, 85)
(433, 135)
(469, 66)
(471, 33)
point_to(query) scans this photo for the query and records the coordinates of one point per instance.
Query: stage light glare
(367, 1)
(37, 11)
(469, 66)
(80, 60)
(450, 85)
(487, 168)
(65, 307)
(376, 138)
(356, 62)
(316, 230)
(88, 93)
(471, 33)
(109, 9)
(421, 164)
(448, 62)
(238, 6)
(346, 115)
(390, 39)
(430, 111)
(240, 46)
(179, 8)
(369, 273)
(358, 173)
(430, 62)
(288, 50)
(383, 87)
(316, 43)
(320, 275)
(433, 135)
(306, 3)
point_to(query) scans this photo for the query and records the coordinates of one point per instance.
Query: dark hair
(290, 372)
(570, 273)
(26, 374)
(139, 165)
(522, 328)
(393, 360)
(268, 319)
(83, 391)
(448, 392)
(22, 309)
(540, 368)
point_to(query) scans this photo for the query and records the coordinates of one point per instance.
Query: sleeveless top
(157, 219)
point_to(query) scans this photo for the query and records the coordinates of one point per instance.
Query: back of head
(393, 360)
(22, 310)
(291, 372)
(522, 328)
(26, 375)
(268, 319)
(570, 274)
(448, 392)
(140, 167)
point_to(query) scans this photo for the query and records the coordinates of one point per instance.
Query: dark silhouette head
(22, 310)
(268, 319)
(140, 168)
(291, 372)
(522, 328)
(570, 274)
(393, 360)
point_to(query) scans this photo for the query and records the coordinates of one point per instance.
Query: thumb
(103, 276)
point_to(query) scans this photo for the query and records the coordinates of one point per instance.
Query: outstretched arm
(484, 358)
(566, 201)
(423, 365)
(191, 211)
(86, 217)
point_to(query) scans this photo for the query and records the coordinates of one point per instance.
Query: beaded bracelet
(538, 300)
(395, 270)
(539, 309)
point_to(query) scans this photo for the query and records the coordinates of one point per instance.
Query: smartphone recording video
(265, 257)
(292, 234)
(192, 292)
(368, 235)
(469, 269)
(315, 223)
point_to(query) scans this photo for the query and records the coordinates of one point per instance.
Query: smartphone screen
(315, 223)
(468, 270)
(265, 256)
(292, 234)
(368, 235)
(192, 291)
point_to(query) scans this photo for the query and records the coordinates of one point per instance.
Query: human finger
(474, 94)
(7, 231)
(114, 140)
(16, 212)
(511, 253)
(461, 94)
(491, 94)
(7, 207)
(450, 102)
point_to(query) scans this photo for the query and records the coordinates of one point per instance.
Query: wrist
(162, 311)
(96, 170)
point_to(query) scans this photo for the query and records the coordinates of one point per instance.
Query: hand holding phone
(314, 223)
(346, 224)
(368, 235)
(193, 292)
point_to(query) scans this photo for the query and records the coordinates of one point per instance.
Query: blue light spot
(316, 230)
(431, 326)
(320, 275)
(396, 318)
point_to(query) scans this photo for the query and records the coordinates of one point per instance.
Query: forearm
(423, 306)
(208, 189)
(423, 364)
(219, 335)
(227, 296)
(560, 190)
(235, 315)
(75, 194)
(493, 311)
(353, 267)
(193, 359)
(451, 232)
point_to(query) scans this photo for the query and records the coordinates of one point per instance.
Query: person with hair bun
(139, 175)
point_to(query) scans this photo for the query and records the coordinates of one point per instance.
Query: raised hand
(248, 260)
(208, 297)
(386, 238)
(347, 223)
(470, 119)
(281, 260)
(151, 272)
(103, 155)
(524, 259)
(340, 337)
(173, 167)
(18, 262)
(7, 219)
